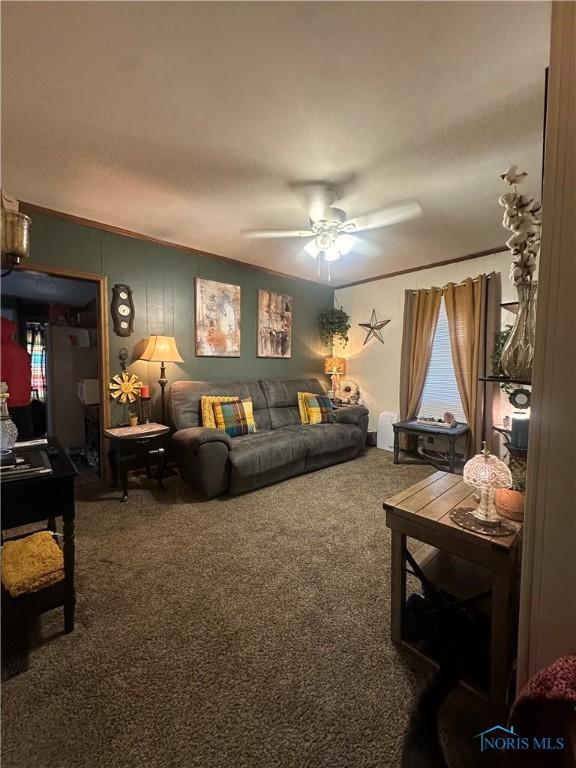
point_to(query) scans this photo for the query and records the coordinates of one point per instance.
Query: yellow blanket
(31, 563)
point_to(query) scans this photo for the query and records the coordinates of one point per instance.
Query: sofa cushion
(184, 400)
(328, 438)
(265, 451)
(234, 417)
(207, 411)
(282, 398)
(319, 409)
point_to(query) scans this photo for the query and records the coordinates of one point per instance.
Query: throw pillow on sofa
(302, 406)
(319, 409)
(234, 417)
(206, 407)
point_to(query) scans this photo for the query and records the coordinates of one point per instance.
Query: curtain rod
(488, 276)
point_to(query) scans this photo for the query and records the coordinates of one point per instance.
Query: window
(440, 388)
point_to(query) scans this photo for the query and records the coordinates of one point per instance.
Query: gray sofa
(215, 463)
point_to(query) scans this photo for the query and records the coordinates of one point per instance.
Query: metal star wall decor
(374, 328)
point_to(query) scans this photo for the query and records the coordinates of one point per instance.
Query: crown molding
(455, 260)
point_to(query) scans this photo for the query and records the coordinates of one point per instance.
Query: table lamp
(486, 473)
(334, 367)
(162, 349)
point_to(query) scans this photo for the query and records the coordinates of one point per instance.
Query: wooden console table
(413, 427)
(422, 512)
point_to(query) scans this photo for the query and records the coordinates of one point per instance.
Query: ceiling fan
(330, 230)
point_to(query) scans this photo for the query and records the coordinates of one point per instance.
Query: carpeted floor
(244, 632)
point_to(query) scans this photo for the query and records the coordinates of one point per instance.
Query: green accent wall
(162, 282)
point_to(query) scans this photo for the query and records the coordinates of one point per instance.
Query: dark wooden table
(38, 499)
(135, 447)
(458, 561)
(412, 427)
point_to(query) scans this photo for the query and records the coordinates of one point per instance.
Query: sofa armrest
(202, 455)
(194, 437)
(351, 414)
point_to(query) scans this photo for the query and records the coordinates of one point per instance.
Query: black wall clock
(122, 309)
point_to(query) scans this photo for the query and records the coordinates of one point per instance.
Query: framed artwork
(217, 319)
(274, 324)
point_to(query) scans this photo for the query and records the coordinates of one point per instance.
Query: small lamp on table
(334, 367)
(162, 349)
(485, 472)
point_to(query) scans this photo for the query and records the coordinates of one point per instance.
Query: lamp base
(465, 518)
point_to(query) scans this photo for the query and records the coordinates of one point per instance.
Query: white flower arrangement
(522, 217)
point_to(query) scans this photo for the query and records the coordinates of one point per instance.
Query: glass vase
(518, 353)
(8, 430)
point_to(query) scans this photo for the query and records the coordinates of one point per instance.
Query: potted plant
(334, 324)
(510, 501)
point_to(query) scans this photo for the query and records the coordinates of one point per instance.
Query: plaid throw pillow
(302, 406)
(207, 410)
(236, 417)
(319, 409)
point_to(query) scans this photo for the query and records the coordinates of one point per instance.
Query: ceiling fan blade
(410, 209)
(261, 234)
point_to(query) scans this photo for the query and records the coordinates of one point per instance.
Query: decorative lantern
(15, 235)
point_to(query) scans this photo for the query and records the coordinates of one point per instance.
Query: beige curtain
(420, 318)
(466, 311)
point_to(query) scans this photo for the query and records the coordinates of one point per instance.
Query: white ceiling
(186, 121)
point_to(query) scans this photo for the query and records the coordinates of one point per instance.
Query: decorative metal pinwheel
(125, 387)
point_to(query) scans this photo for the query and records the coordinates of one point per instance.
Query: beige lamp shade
(335, 365)
(162, 349)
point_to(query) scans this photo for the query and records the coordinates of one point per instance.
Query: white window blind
(440, 389)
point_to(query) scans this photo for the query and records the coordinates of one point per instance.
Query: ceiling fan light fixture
(332, 253)
(324, 241)
(344, 243)
(312, 249)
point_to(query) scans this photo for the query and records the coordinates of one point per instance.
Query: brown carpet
(245, 632)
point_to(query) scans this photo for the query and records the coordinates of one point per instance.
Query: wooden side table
(134, 447)
(422, 512)
(413, 427)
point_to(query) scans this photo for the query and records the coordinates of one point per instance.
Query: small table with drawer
(135, 447)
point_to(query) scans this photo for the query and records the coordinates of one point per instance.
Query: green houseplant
(334, 324)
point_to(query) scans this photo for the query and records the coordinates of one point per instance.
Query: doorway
(59, 318)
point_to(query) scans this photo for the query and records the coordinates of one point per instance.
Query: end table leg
(452, 455)
(398, 583)
(124, 477)
(161, 468)
(113, 468)
(396, 447)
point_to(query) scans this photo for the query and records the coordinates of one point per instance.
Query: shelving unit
(505, 380)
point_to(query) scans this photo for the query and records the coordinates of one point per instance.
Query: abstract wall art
(217, 319)
(274, 324)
